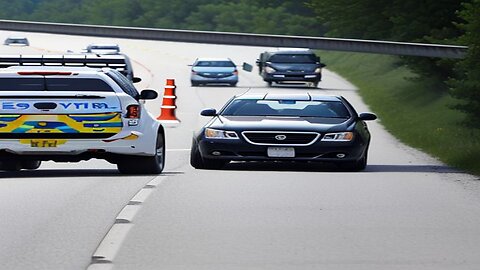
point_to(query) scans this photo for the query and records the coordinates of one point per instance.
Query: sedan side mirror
(367, 116)
(322, 65)
(208, 112)
(148, 94)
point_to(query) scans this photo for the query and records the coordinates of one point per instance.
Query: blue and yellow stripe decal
(61, 123)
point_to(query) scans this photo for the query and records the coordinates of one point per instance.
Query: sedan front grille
(286, 138)
(215, 75)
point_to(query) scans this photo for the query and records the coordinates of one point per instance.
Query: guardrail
(334, 44)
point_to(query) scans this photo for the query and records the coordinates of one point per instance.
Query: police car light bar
(87, 60)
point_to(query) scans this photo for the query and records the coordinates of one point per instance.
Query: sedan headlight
(338, 137)
(318, 70)
(269, 70)
(220, 134)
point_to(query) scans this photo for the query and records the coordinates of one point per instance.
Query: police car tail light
(44, 73)
(133, 111)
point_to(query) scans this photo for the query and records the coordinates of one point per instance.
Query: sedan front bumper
(292, 77)
(233, 79)
(238, 149)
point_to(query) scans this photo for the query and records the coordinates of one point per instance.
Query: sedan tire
(199, 162)
(355, 166)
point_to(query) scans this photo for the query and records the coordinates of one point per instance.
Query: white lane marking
(154, 183)
(102, 258)
(127, 214)
(178, 150)
(100, 266)
(110, 245)
(141, 196)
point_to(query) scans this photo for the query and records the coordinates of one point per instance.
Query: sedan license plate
(281, 152)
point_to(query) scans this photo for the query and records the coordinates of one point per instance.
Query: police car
(69, 114)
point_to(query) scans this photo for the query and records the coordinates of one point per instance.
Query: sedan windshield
(214, 64)
(293, 58)
(295, 108)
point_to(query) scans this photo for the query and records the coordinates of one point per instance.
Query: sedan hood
(280, 123)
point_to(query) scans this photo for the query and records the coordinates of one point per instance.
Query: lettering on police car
(10, 105)
(7, 105)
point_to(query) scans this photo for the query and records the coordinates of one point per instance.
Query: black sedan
(283, 127)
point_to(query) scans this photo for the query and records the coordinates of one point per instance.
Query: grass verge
(415, 112)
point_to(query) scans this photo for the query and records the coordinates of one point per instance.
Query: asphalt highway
(405, 211)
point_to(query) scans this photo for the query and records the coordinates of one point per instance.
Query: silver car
(100, 48)
(16, 41)
(214, 71)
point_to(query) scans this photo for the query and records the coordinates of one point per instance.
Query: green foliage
(423, 21)
(19, 9)
(273, 17)
(243, 16)
(466, 86)
(353, 19)
(426, 21)
(58, 11)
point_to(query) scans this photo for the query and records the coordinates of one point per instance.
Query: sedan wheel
(199, 162)
(355, 166)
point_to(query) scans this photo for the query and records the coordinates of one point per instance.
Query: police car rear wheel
(31, 164)
(10, 165)
(145, 164)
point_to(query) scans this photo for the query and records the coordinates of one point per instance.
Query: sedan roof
(214, 59)
(289, 96)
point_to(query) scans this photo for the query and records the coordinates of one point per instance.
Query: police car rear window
(54, 84)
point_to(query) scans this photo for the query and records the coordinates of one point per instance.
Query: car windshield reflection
(290, 108)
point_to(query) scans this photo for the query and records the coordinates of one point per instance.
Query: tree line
(454, 22)
(425, 21)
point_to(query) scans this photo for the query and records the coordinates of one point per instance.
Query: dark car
(290, 65)
(16, 41)
(283, 127)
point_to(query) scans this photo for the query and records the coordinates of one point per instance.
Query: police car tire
(31, 164)
(11, 165)
(145, 164)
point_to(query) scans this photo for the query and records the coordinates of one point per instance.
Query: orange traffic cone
(167, 113)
